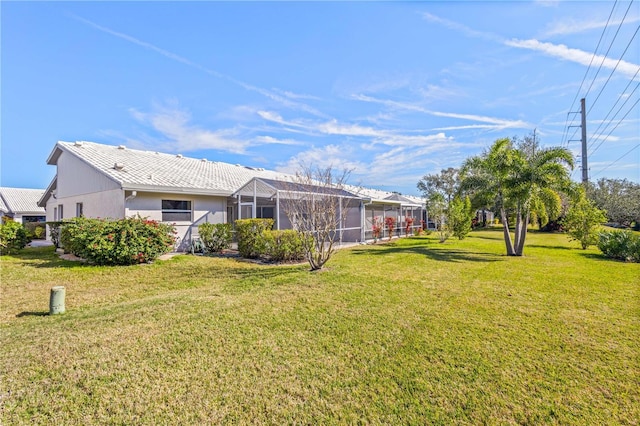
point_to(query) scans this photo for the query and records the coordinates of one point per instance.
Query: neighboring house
(96, 180)
(21, 204)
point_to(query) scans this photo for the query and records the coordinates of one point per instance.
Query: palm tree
(517, 181)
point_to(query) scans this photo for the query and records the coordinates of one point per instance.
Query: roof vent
(118, 166)
(77, 143)
(179, 155)
(204, 160)
(150, 177)
(122, 147)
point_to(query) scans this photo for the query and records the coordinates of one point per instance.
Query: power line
(616, 126)
(614, 69)
(598, 136)
(587, 71)
(604, 57)
(614, 162)
(614, 105)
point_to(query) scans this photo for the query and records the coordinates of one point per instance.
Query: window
(176, 211)
(60, 214)
(79, 210)
(265, 213)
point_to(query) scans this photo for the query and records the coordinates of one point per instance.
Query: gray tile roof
(155, 171)
(21, 200)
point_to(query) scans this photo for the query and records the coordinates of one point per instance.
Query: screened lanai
(269, 198)
(361, 207)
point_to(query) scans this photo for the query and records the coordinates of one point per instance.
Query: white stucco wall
(204, 209)
(76, 177)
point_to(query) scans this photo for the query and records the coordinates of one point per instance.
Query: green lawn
(413, 332)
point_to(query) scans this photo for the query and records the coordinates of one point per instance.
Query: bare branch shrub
(316, 204)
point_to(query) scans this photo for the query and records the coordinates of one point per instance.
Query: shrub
(215, 236)
(120, 242)
(13, 237)
(390, 222)
(622, 245)
(249, 235)
(583, 222)
(54, 232)
(35, 229)
(282, 246)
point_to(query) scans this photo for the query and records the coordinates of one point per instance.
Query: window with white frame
(60, 212)
(176, 211)
(79, 209)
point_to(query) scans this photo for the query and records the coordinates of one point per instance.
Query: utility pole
(583, 139)
(585, 169)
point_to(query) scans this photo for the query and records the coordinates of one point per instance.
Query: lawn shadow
(556, 247)
(44, 257)
(441, 253)
(32, 314)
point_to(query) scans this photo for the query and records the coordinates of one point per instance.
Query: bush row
(257, 240)
(116, 242)
(622, 245)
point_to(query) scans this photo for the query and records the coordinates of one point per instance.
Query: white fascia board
(174, 190)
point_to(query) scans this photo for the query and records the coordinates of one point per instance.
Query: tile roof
(136, 169)
(21, 200)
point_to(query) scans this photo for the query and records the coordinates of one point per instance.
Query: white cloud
(571, 26)
(460, 27)
(283, 97)
(174, 125)
(575, 55)
(495, 123)
(334, 156)
(270, 140)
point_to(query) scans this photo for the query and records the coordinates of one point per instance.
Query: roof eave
(176, 190)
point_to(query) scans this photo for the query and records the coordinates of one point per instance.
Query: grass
(411, 332)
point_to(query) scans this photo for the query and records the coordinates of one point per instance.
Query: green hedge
(215, 236)
(249, 236)
(13, 237)
(116, 242)
(622, 245)
(282, 246)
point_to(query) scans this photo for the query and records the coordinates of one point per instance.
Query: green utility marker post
(56, 301)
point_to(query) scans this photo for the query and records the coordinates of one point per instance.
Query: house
(21, 204)
(96, 180)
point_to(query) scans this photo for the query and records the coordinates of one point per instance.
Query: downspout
(133, 195)
(278, 210)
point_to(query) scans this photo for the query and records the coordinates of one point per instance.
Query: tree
(438, 213)
(460, 217)
(619, 197)
(583, 221)
(439, 190)
(317, 206)
(515, 180)
(447, 183)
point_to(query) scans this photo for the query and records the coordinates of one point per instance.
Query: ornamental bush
(13, 237)
(621, 245)
(215, 236)
(282, 246)
(117, 242)
(249, 235)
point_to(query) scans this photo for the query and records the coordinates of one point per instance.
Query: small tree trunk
(523, 236)
(505, 231)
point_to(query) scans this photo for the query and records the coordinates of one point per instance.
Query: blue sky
(390, 91)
